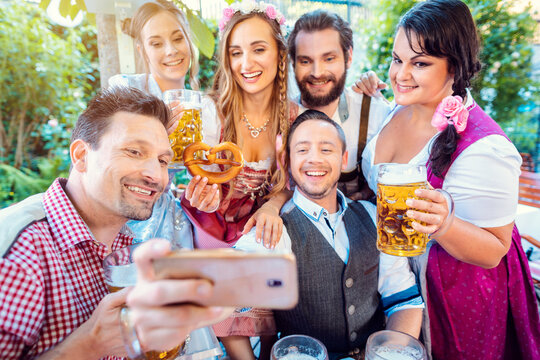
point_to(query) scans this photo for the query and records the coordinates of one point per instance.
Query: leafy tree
(203, 37)
(46, 78)
(504, 87)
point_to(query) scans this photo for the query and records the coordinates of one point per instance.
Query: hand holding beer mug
(189, 129)
(120, 271)
(408, 210)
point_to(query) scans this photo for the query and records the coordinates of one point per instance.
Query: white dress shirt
(396, 283)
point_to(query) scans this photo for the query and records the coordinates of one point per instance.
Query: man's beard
(312, 101)
(143, 210)
(315, 195)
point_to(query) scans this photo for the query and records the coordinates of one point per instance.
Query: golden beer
(120, 272)
(152, 355)
(189, 129)
(396, 184)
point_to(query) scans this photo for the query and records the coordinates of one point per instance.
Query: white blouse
(483, 180)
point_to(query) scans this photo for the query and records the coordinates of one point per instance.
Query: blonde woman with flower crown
(250, 94)
(474, 277)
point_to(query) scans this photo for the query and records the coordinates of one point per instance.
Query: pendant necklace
(254, 131)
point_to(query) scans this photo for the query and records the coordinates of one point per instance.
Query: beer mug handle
(449, 218)
(131, 341)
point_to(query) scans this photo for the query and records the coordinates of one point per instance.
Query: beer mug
(390, 344)
(299, 347)
(120, 272)
(189, 129)
(395, 184)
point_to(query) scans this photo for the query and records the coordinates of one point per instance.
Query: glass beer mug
(298, 347)
(189, 129)
(395, 184)
(120, 272)
(390, 344)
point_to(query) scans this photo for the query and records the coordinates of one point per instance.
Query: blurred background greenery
(49, 72)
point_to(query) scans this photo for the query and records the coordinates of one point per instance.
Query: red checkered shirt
(51, 280)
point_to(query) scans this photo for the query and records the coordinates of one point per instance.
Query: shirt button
(325, 213)
(353, 336)
(356, 351)
(349, 282)
(314, 214)
(351, 309)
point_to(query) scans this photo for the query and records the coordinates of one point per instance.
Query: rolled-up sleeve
(397, 283)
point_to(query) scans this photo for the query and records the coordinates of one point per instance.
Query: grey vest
(338, 304)
(16, 218)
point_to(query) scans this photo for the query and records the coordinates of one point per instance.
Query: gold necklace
(254, 131)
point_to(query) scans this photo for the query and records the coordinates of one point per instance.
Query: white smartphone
(241, 279)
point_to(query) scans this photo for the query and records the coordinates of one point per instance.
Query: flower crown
(250, 6)
(451, 111)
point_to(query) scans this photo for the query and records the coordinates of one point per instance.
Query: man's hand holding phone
(163, 310)
(238, 278)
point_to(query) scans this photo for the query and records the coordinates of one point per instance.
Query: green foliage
(203, 38)
(18, 184)
(504, 87)
(47, 75)
(208, 66)
(202, 34)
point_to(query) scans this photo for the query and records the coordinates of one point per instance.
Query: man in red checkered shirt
(54, 303)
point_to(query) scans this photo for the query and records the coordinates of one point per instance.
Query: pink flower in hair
(228, 13)
(222, 24)
(281, 20)
(271, 12)
(451, 111)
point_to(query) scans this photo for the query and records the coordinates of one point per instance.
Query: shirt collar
(67, 225)
(342, 109)
(314, 211)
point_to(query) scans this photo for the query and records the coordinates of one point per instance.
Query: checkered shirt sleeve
(51, 280)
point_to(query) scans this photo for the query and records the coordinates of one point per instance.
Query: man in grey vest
(54, 303)
(348, 290)
(321, 50)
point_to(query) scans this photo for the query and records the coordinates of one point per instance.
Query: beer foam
(399, 174)
(297, 356)
(122, 276)
(397, 353)
(191, 105)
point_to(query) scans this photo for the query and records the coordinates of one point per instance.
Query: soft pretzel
(193, 165)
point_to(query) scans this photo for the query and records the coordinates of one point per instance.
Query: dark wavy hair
(445, 29)
(319, 20)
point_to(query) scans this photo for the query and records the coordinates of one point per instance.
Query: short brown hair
(319, 20)
(96, 119)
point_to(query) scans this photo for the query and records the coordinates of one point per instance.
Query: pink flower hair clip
(250, 6)
(451, 111)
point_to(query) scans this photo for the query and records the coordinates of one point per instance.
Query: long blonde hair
(133, 27)
(227, 94)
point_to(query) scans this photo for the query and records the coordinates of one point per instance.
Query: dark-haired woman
(474, 277)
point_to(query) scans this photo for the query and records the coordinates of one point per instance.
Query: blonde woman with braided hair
(253, 111)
